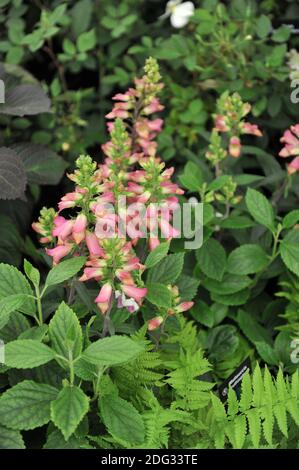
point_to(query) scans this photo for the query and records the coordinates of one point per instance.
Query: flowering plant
(103, 224)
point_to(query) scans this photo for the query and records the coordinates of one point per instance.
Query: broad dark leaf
(25, 100)
(12, 175)
(42, 165)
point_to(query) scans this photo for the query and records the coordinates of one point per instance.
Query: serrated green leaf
(65, 270)
(27, 354)
(31, 272)
(26, 405)
(68, 409)
(122, 419)
(247, 259)
(290, 219)
(109, 351)
(212, 259)
(65, 332)
(157, 255)
(10, 439)
(10, 304)
(260, 208)
(167, 270)
(289, 252)
(159, 295)
(13, 282)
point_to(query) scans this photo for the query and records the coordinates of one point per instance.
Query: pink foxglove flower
(60, 251)
(154, 323)
(137, 293)
(291, 148)
(234, 147)
(104, 297)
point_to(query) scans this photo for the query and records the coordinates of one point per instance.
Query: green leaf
(192, 177)
(212, 259)
(65, 270)
(263, 26)
(246, 178)
(291, 219)
(230, 284)
(157, 255)
(27, 354)
(81, 15)
(68, 409)
(289, 251)
(159, 295)
(122, 419)
(237, 222)
(26, 405)
(260, 208)
(13, 282)
(267, 353)
(65, 332)
(187, 286)
(247, 259)
(252, 329)
(8, 305)
(32, 273)
(10, 439)
(222, 341)
(110, 351)
(238, 298)
(42, 165)
(202, 313)
(167, 270)
(86, 41)
(282, 34)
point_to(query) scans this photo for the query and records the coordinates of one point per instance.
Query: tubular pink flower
(103, 299)
(167, 230)
(235, 147)
(293, 167)
(79, 228)
(125, 277)
(136, 293)
(93, 246)
(59, 252)
(63, 230)
(153, 243)
(184, 306)
(154, 323)
(220, 124)
(69, 200)
(91, 273)
(248, 128)
(154, 107)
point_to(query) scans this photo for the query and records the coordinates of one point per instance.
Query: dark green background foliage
(61, 63)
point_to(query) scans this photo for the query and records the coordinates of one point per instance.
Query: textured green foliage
(27, 353)
(26, 405)
(13, 282)
(10, 439)
(68, 409)
(65, 332)
(122, 419)
(64, 270)
(110, 351)
(142, 372)
(264, 405)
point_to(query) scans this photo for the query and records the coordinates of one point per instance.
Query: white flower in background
(293, 63)
(179, 12)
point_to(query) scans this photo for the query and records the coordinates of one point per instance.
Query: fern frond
(141, 372)
(264, 404)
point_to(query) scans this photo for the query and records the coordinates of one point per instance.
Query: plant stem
(106, 324)
(39, 306)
